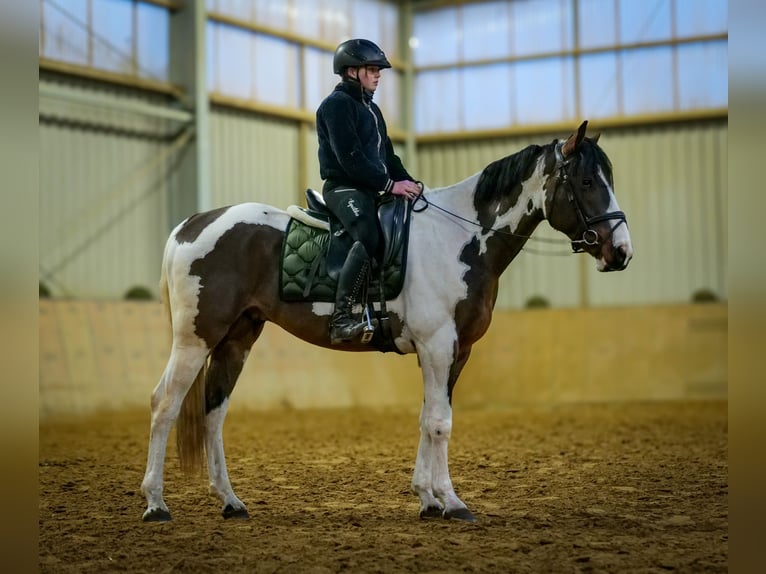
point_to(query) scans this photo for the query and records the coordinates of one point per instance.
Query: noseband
(590, 236)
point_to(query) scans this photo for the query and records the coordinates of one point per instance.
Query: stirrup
(337, 339)
(368, 331)
(369, 326)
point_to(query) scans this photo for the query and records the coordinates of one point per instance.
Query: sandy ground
(598, 488)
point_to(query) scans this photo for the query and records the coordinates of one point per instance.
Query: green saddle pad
(303, 274)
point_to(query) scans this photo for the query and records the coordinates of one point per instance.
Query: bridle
(590, 236)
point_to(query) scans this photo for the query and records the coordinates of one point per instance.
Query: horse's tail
(190, 424)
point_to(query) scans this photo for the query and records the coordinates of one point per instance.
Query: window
(482, 85)
(113, 44)
(535, 61)
(437, 37)
(596, 23)
(598, 86)
(487, 31)
(64, 34)
(437, 101)
(643, 21)
(126, 37)
(280, 53)
(703, 81)
(700, 17)
(153, 40)
(647, 80)
(543, 91)
(541, 26)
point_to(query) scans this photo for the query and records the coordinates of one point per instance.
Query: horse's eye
(586, 182)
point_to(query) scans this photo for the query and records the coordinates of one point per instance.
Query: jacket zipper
(380, 138)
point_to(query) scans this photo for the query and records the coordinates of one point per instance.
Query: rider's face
(368, 76)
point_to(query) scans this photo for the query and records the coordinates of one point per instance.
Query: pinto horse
(220, 282)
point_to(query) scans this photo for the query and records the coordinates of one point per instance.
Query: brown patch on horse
(232, 275)
(227, 360)
(237, 279)
(197, 223)
(473, 314)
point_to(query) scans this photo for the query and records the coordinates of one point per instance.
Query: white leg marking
(182, 368)
(421, 478)
(436, 423)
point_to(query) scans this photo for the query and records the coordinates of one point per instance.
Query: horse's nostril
(621, 254)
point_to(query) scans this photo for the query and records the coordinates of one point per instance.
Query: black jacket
(354, 147)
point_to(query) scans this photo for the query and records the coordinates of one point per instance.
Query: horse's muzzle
(616, 257)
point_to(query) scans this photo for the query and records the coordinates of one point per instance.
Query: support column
(190, 185)
(408, 87)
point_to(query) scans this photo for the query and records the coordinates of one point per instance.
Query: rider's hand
(407, 188)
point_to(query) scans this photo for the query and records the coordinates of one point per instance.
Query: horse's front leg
(431, 480)
(430, 507)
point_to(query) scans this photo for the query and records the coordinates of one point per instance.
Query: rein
(429, 203)
(589, 236)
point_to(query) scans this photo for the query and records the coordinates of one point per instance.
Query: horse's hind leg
(226, 362)
(182, 368)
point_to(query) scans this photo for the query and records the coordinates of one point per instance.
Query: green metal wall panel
(104, 176)
(253, 158)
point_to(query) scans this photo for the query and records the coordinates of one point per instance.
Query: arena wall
(109, 356)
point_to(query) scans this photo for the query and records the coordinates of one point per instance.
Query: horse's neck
(458, 198)
(510, 217)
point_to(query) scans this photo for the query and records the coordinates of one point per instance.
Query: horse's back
(214, 223)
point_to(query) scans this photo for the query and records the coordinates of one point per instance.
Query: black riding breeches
(357, 211)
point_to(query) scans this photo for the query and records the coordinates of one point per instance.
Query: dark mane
(599, 156)
(503, 175)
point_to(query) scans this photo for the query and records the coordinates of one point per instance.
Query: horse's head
(580, 202)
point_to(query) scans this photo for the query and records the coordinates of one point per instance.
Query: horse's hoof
(459, 514)
(431, 512)
(156, 515)
(230, 512)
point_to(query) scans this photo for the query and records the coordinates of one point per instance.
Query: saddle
(315, 248)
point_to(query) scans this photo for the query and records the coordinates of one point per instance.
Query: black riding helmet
(358, 52)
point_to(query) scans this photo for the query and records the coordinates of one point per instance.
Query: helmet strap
(349, 78)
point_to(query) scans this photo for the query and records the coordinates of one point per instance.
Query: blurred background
(151, 110)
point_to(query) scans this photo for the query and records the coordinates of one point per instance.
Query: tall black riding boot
(344, 326)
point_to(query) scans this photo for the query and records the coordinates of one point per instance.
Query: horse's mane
(504, 174)
(601, 159)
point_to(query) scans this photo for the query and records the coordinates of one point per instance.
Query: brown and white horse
(220, 280)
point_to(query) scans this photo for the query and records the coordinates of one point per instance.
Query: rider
(357, 163)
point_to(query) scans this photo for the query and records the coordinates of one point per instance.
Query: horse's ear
(574, 140)
(594, 139)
